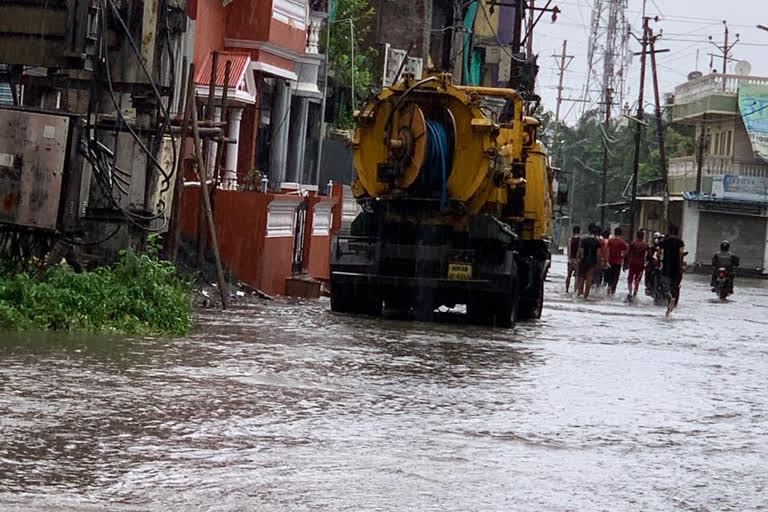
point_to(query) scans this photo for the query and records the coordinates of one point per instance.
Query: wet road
(599, 406)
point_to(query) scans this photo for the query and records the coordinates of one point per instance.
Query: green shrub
(138, 295)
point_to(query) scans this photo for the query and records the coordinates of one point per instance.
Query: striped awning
(240, 64)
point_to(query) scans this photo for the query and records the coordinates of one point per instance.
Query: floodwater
(600, 405)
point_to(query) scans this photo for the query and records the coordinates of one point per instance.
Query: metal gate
(300, 231)
(746, 234)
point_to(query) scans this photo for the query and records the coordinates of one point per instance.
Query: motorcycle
(654, 285)
(723, 284)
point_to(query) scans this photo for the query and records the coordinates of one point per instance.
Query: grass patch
(138, 295)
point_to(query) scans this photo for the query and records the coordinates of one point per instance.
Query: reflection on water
(284, 406)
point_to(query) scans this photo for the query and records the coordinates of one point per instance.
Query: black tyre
(479, 310)
(341, 298)
(506, 310)
(361, 299)
(367, 300)
(494, 309)
(723, 292)
(530, 308)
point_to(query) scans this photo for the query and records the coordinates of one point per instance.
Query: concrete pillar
(280, 122)
(298, 142)
(214, 145)
(230, 173)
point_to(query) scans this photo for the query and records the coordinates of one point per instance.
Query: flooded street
(283, 406)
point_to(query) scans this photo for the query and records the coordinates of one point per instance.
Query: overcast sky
(686, 26)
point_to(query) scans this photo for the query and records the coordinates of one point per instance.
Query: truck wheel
(341, 298)
(479, 310)
(531, 307)
(493, 310)
(367, 301)
(506, 310)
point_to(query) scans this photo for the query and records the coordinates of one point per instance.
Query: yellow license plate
(460, 271)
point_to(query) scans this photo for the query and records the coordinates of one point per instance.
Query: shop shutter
(746, 234)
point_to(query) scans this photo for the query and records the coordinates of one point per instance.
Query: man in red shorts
(635, 261)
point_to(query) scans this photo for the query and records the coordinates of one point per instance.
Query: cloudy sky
(686, 26)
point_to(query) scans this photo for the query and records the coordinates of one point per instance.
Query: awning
(241, 86)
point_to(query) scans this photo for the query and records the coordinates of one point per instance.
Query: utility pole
(638, 132)
(532, 12)
(606, 125)
(700, 154)
(457, 47)
(518, 28)
(659, 127)
(725, 50)
(565, 61)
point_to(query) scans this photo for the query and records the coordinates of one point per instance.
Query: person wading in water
(573, 249)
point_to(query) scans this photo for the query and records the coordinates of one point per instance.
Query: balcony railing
(713, 84)
(687, 166)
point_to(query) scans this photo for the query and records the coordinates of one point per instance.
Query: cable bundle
(437, 155)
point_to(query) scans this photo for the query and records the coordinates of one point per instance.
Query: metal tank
(457, 206)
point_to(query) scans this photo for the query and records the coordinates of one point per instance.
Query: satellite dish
(743, 67)
(693, 75)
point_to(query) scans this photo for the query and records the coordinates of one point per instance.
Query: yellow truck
(456, 204)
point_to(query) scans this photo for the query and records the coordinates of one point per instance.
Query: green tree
(578, 150)
(341, 44)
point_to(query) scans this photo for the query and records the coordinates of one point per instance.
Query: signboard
(753, 104)
(740, 188)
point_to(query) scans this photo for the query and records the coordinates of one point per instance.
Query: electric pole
(565, 61)
(700, 153)
(606, 126)
(457, 46)
(638, 133)
(725, 49)
(659, 127)
(532, 13)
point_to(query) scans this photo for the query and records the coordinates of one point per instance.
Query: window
(729, 135)
(716, 146)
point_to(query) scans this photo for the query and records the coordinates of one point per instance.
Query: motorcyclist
(652, 263)
(727, 260)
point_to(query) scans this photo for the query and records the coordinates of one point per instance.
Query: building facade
(275, 114)
(723, 185)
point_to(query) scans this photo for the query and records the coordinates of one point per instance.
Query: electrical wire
(102, 161)
(72, 241)
(104, 46)
(496, 36)
(161, 105)
(166, 177)
(437, 155)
